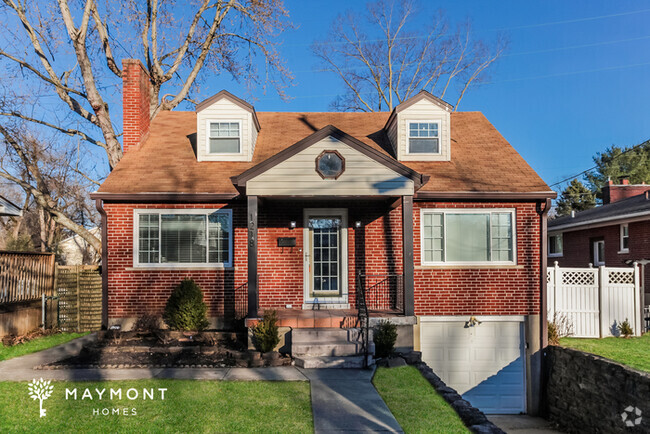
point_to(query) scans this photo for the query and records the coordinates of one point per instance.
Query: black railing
(241, 301)
(646, 317)
(377, 292)
(383, 292)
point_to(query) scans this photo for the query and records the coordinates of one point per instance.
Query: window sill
(624, 252)
(469, 267)
(555, 255)
(180, 267)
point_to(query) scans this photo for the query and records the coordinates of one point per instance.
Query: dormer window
(424, 137)
(224, 137)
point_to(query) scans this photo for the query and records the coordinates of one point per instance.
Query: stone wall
(588, 393)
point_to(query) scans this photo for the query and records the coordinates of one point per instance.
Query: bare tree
(383, 57)
(61, 67)
(48, 176)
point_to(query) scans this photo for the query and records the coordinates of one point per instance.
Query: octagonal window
(330, 165)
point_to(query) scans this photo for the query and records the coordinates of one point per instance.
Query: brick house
(615, 234)
(425, 216)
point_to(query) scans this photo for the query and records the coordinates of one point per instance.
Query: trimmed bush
(265, 333)
(385, 335)
(185, 309)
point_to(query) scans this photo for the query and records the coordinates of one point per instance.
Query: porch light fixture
(292, 224)
(357, 224)
(330, 164)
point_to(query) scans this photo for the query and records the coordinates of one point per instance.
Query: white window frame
(444, 211)
(207, 137)
(595, 252)
(622, 228)
(206, 212)
(423, 121)
(555, 255)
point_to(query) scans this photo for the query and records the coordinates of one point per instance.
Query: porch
(377, 297)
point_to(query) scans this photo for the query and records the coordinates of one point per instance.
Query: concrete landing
(346, 400)
(522, 424)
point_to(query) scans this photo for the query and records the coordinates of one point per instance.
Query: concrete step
(350, 362)
(332, 348)
(315, 335)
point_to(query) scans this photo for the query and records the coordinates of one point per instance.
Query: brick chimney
(613, 193)
(136, 100)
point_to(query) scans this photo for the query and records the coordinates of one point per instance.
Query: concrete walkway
(21, 369)
(341, 399)
(346, 400)
(522, 424)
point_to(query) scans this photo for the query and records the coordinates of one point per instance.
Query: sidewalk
(341, 399)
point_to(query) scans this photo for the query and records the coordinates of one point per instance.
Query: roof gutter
(605, 221)
(484, 195)
(163, 197)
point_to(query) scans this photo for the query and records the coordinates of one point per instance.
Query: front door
(325, 258)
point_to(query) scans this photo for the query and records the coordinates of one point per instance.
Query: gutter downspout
(542, 211)
(104, 231)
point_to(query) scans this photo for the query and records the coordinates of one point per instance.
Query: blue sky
(575, 78)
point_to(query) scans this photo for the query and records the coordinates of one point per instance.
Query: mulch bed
(166, 349)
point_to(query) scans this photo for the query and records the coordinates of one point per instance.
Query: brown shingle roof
(481, 159)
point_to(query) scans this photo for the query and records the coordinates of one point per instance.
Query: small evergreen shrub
(265, 333)
(625, 329)
(385, 335)
(185, 309)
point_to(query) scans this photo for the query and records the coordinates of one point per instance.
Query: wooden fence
(595, 300)
(25, 276)
(79, 288)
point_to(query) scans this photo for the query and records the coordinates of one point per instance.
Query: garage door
(484, 363)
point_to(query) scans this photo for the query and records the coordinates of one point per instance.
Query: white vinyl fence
(595, 300)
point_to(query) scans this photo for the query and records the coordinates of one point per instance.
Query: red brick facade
(374, 248)
(136, 95)
(489, 290)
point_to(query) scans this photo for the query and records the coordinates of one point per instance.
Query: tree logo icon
(41, 390)
(631, 416)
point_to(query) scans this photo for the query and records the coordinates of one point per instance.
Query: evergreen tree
(576, 197)
(616, 162)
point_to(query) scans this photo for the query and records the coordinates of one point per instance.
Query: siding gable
(297, 176)
(223, 109)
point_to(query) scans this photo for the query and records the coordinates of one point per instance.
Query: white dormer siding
(224, 110)
(422, 111)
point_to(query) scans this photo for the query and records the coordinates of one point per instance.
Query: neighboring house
(615, 234)
(75, 250)
(437, 216)
(7, 208)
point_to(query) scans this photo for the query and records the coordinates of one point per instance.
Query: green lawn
(415, 403)
(634, 352)
(37, 344)
(189, 406)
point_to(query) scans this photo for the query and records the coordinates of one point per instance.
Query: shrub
(559, 327)
(265, 333)
(625, 329)
(385, 335)
(147, 323)
(185, 309)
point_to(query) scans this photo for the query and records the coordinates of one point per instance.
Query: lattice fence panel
(80, 298)
(621, 277)
(579, 278)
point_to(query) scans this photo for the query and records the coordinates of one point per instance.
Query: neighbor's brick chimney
(136, 99)
(613, 193)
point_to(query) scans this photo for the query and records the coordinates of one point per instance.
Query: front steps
(329, 348)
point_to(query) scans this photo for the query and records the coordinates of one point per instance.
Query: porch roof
(482, 161)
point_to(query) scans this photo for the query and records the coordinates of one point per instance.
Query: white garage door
(484, 363)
